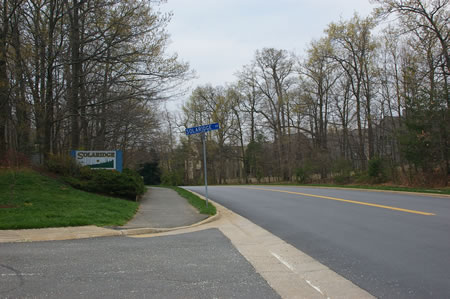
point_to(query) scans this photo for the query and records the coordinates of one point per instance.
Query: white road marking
(279, 258)
(20, 274)
(283, 262)
(314, 287)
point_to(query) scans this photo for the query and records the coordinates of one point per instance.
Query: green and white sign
(99, 159)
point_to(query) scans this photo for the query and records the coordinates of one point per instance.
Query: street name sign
(202, 129)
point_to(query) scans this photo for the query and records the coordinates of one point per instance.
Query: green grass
(30, 200)
(196, 201)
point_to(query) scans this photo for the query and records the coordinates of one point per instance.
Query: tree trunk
(4, 82)
(23, 125)
(75, 76)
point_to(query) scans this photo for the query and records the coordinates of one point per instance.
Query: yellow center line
(348, 201)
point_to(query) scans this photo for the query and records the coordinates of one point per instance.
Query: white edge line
(283, 261)
(314, 287)
(293, 270)
(19, 274)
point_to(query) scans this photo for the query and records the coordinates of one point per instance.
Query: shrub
(375, 167)
(302, 175)
(342, 170)
(12, 158)
(341, 179)
(361, 178)
(259, 175)
(151, 173)
(62, 165)
(86, 173)
(75, 182)
(136, 179)
(376, 170)
(173, 178)
(127, 184)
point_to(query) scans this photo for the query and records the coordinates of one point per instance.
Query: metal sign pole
(203, 129)
(204, 166)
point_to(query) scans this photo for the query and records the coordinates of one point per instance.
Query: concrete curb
(55, 234)
(141, 231)
(84, 232)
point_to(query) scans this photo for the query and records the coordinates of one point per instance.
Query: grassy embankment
(195, 201)
(30, 200)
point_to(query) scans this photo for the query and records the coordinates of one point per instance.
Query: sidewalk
(160, 210)
(164, 208)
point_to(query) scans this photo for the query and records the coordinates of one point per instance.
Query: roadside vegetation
(127, 184)
(365, 106)
(378, 176)
(367, 103)
(195, 201)
(31, 200)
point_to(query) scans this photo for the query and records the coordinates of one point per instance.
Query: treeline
(83, 74)
(364, 103)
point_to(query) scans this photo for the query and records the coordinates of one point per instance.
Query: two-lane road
(394, 245)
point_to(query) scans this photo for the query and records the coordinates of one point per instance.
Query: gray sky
(218, 37)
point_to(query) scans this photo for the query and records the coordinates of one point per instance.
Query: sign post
(203, 129)
(204, 167)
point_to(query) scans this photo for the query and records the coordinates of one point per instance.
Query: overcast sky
(218, 37)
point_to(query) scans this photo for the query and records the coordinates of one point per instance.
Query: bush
(127, 184)
(151, 173)
(376, 170)
(375, 167)
(302, 175)
(62, 165)
(173, 178)
(342, 171)
(12, 158)
(136, 179)
(341, 179)
(361, 178)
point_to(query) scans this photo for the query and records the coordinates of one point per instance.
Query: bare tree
(354, 48)
(274, 70)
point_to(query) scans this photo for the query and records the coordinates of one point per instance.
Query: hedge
(127, 184)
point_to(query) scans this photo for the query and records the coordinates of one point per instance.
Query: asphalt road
(202, 264)
(392, 245)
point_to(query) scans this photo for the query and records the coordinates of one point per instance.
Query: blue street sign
(201, 129)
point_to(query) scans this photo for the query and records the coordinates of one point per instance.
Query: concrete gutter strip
(55, 234)
(140, 231)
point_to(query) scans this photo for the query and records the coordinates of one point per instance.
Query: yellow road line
(348, 201)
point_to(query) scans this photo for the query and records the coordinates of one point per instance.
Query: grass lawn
(30, 200)
(196, 201)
